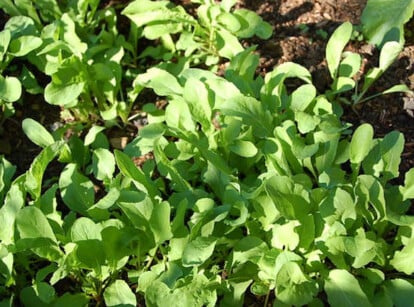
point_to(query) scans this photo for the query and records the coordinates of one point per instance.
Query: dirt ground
(301, 31)
(301, 28)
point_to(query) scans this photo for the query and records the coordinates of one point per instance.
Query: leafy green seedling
(344, 67)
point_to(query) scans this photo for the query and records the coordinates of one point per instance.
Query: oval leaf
(361, 143)
(37, 133)
(336, 45)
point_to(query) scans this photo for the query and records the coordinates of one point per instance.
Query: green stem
(267, 299)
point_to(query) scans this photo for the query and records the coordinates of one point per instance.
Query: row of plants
(240, 186)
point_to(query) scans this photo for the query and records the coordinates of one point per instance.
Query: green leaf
(336, 45)
(392, 147)
(401, 291)
(119, 294)
(103, 164)
(252, 111)
(63, 94)
(34, 175)
(227, 44)
(34, 228)
(91, 253)
(399, 88)
(198, 251)
(40, 294)
(383, 20)
(32, 223)
(197, 95)
(361, 143)
(69, 300)
(23, 45)
(342, 84)
(162, 82)
(76, 190)
(160, 222)
(343, 290)
(90, 137)
(302, 97)
(244, 149)
(4, 42)
(408, 189)
(37, 133)
(339, 205)
(14, 200)
(293, 287)
(389, 53)
(350, 65)
(403, 260)
(229, 21)
(10, 89)
(252, 24)
(129, 169)
(288, 199)
(85, 229)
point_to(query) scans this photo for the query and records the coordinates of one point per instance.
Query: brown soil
(301, 28)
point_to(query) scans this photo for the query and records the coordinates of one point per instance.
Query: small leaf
(336, 45)
(119, 294)
(350, 65)
(399, 88)
(92, 134)
(244, 149)
(408, 189)
(302, 97)
(361, 143)
(103, 164)
(343, 290)
(389, 53)
(37, 133)
(10, 89)
(34, 175)
(229, 21)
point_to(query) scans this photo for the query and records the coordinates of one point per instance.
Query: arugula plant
(212, 35)
(344, 68)
(18, 39)
(251, 188)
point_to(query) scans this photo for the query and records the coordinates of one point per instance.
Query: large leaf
(343, 290)
(383, 20)
(36, 233)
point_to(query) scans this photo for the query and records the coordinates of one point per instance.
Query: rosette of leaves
(18, 40)
(214, 33)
